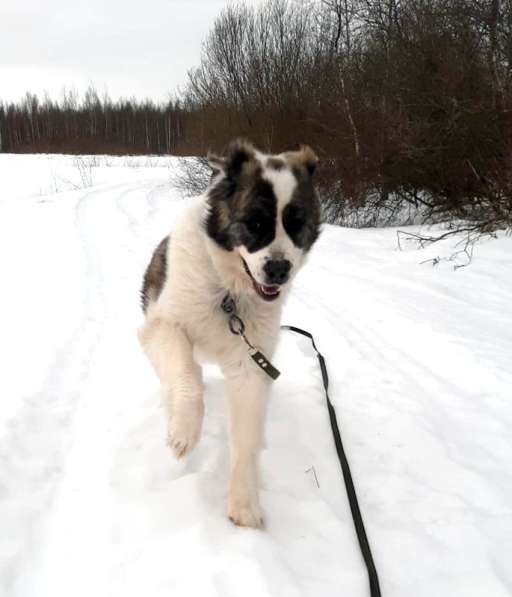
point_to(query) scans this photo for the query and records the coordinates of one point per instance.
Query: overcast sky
(140, 49)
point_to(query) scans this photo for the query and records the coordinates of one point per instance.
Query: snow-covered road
(91, 500)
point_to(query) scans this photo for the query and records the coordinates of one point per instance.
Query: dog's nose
(277, 271)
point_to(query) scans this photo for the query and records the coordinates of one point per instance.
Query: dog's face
(264, 210)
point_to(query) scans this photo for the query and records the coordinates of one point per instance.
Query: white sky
(142, 49)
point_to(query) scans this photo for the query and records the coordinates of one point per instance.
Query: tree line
(89, 125)
(407, 102)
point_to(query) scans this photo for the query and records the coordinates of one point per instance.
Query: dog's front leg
(170, 352)
(247, 394)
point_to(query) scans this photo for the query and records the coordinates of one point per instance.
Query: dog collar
(237, 327)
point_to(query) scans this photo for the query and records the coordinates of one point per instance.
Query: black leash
(349, 484)
(237, 327)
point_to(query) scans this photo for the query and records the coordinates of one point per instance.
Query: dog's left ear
(303, 158)
(308, 157)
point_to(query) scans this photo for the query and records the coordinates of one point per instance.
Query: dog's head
(264, 210)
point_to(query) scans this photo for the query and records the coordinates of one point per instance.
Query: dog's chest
(214, 341)
(211, 336)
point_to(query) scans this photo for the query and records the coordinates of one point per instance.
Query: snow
(91, 500)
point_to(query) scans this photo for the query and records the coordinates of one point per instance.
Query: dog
(245, 238)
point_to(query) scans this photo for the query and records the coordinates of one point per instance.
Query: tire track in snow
(107, 399)
(35, 448)
(133, 222)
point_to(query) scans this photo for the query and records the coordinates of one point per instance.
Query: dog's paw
(245, 513)
(184, 429)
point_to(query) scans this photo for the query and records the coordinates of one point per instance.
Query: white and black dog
(245, 238)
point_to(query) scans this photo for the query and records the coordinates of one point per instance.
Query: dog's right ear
(216, 163)
(239, 153)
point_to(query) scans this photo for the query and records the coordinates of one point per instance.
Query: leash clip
(264, 364)
(237, 327)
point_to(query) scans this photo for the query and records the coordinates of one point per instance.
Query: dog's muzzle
(268, 292)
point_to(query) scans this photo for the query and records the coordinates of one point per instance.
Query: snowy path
(91, 501)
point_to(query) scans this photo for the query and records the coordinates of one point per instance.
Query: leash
(349, 484)
(237, 327)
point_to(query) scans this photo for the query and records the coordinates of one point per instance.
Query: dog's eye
(254, 224)
(294, 223)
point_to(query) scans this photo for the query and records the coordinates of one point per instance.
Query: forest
(407, 103)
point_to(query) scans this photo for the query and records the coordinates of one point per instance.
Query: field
(93, 503)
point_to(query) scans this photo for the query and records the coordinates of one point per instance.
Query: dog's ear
(308, 157)
(304, 157)
(240, 152)
(216, 163)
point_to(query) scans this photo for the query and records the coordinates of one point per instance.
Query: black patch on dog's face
(259, 217)
(217, 222)
(216, 231)
(242, 213)
(242, 217)
(243, 206)
(301, 216)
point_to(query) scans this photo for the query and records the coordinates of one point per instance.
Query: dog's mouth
(267, 293)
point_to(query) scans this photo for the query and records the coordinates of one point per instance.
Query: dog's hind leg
(247, 393)
(170, 352)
